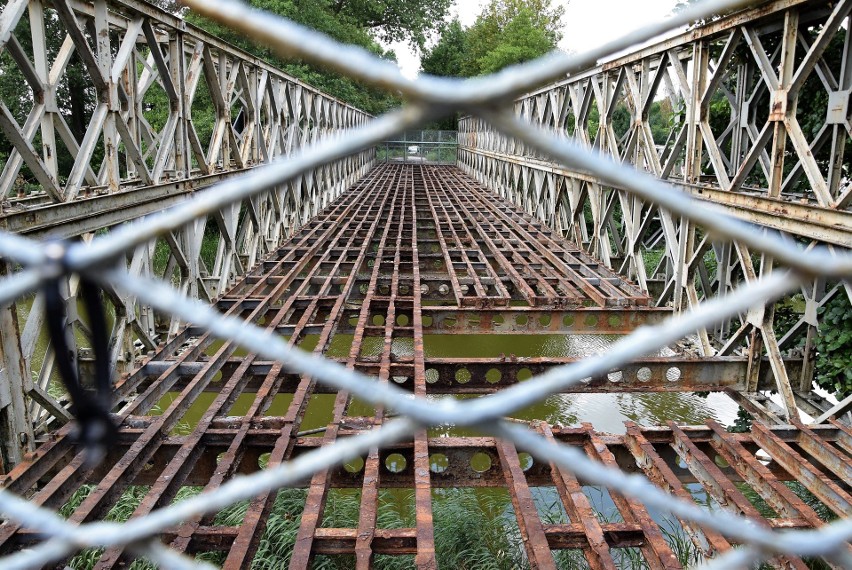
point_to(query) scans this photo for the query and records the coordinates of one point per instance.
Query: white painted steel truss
(175, 110)
(734, 139)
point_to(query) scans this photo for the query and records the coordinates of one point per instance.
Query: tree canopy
(360, 22)
(394, 20)
(506, 32)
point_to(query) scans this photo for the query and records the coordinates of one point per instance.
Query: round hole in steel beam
(480, 462)
(614, 320)
(404, 289)
(616, 376)
(424, 289)
(438, 463)
(443, 289)
(591, 320)
(644, 374)
(524, 374)
(402, 320)
(568, 321)
(449, 322)
(395, 463)
(427, 320)
(463, 375)
(432, 375)
(378, 320)
(526, 461)
(544, 320)
(400, 379)
(493, 376)
(353, 320)
(720, 462)
(498, 319)
(673, 374)
(521, 319)
(354, 466)
(217, 377)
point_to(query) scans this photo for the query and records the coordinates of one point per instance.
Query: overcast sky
(587, 23)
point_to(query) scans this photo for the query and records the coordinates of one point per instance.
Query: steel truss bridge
(373, 264)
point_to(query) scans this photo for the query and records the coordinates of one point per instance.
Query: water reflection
(608, 412)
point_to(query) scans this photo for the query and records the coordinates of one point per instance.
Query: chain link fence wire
(426, 98)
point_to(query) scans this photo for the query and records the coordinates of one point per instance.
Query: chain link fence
(428, 98)
(420, 147)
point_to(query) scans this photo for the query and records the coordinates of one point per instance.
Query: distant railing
(420, 147)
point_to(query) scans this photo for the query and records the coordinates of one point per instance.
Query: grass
(209, 247)
(651, 258)
(474, 529)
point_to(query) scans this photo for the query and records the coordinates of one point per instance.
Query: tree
(358, 22)
(520, 41)
(395, 20)
(506, 32)
(447, 57)
(512, 31)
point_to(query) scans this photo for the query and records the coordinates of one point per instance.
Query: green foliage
(505, 33)
(394, 20)
(358, 22)
(511, 31)
(521, 40)
(447, 57)
(470, 531)
(834, 347)
(651, 259)
(788, 311)
(474, 528)
(743, 422)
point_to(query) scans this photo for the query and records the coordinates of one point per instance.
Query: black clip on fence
(96, 430)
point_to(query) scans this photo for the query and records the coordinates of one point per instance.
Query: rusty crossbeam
(408, 256)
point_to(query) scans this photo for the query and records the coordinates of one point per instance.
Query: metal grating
(398, 257)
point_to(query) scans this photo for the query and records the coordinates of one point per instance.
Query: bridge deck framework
(412, 257)
(408, 253)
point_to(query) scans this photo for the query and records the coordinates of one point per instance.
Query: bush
(834, 347)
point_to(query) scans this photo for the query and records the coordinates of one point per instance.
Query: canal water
(607, 412)
(487, 515)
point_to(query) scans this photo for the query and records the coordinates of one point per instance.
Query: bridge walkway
(409, 259)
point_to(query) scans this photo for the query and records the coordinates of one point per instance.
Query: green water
(607, 412)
